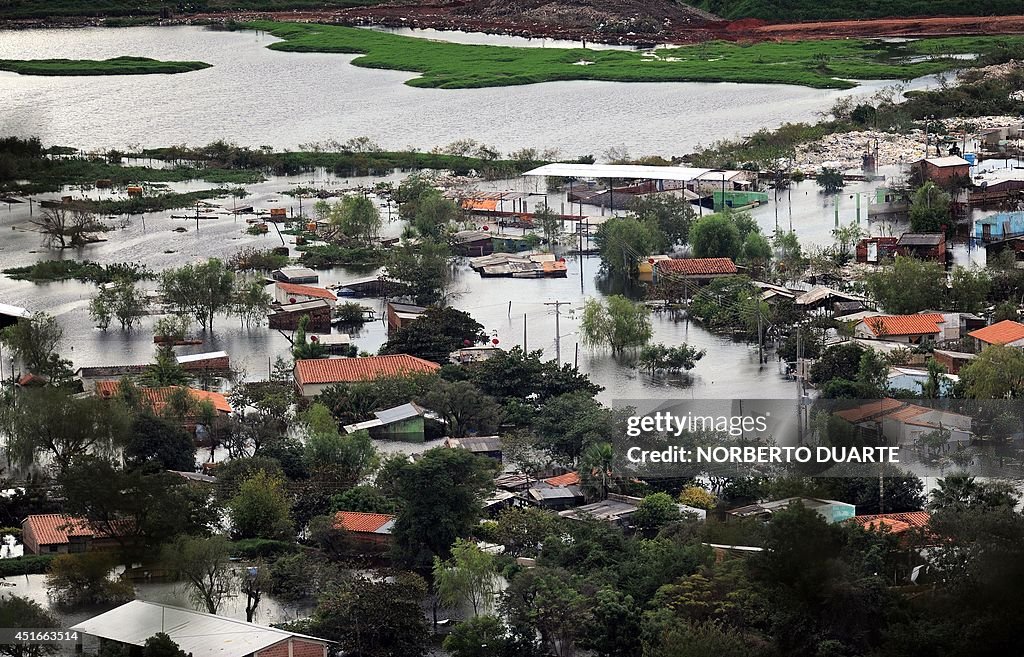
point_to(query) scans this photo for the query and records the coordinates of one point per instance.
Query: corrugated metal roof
(197, 633)
(194, 358)
(949, 161)
(1003, 332)
(698, 266)
(14, 311)
(921, 239)
(346, 370)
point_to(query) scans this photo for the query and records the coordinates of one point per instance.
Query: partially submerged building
(831, 510)
(55, 533)
(405, 423)
(313, 376)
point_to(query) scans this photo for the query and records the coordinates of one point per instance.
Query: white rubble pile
(843, 150)
(981, 122)
(993, 71)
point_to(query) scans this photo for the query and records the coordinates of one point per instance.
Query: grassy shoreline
(83, 67)
(827, 64)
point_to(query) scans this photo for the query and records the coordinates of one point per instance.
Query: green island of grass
(115, 66)
(835, 63)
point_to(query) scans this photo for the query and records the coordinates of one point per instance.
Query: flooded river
(254, 96)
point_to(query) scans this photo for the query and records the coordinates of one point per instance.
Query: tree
(613, 625)
(65, 227)
(330, 455)
(654, 357)
(254, 581)
(374, 618)
(933, 386)
(423, 270)
(204, 565)
(155, 439)
(57, 422)
(521, 375)
(261, 508)
(17, 612)
(35, 341)
(567, 424)
(440, 496)
(968, 289)
(996, 373)
(522, 529)
(78, 580)
(698, 498)
(873, 373)
(788, 254)
(467, 577)
(120, 300)
(162, 645)
(673, 215)
(716, 236)
(655, 511)
(622, 241)
(139, 507)
(480, 636)
(434, 215)
(164, 371)
(617, 323)
(756, 250)
(464, 408)
(542, 604)
(357, 218)
(909, 285)
(199, 290)
(435, 334)
(304, 348)
(929, 209)
(846, 238)
(830, 180)
(960, 491)
(550, 225)
(596, 477)
(251, 303)
(841, 361)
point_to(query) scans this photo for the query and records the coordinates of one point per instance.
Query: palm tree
(596, 475)
(954, 490)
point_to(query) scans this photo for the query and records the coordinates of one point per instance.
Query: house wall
(222, 363)
(319, 319)
(945, 175)
(409, 430)
(294, 648)
(311, 390)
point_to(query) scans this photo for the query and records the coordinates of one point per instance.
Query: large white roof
(647, 172)
(202, 635)
(14, 311)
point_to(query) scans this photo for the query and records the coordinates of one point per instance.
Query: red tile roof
(354, 521)
(896, 522)
(1003, 332)
(698, 266)
(306, 291)
(871, 409)
(158, 397)
(884, 325)
(54, 528)
(369, 368)
(567, 479)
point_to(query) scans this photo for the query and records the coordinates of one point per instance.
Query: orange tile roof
(55, 528)
(698, 266)
(158, 397)
(1003, 332)
(896, 522)
(354, 521)
(306, 291)
(904, 324)
(869, 410)
(567, 479)
(368, 368)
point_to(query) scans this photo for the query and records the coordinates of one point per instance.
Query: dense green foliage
(824, 64)
(115, 66)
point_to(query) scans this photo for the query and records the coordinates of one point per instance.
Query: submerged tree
(617, 323)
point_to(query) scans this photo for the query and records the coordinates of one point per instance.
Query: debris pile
(843, 150)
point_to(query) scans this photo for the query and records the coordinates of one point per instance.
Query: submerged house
(55, 533)
(902, 423)
(405, 422)
(831, 510)
(287, 317)
(366, 531)
(697, 270)
(313, 376)
(287, 293)
(911, 329)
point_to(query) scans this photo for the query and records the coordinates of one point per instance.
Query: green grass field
(115, 66)
(823, 64)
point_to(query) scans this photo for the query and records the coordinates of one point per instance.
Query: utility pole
(760, 338)
(799, 390)
(558, 334)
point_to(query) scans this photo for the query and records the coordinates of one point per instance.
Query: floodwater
(729, 370)
(255, 96)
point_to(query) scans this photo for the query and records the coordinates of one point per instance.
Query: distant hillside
(603, 16)
(121, 8)
(808, 10)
